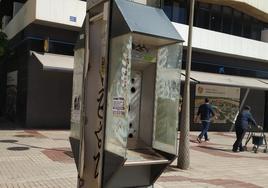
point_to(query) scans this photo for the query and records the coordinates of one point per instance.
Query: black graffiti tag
(97, 160)
(100, 112)
(100, 103)
(97, 157)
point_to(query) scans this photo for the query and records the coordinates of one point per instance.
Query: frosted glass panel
(167, 97)
(118, 90)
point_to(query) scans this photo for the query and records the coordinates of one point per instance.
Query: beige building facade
(230, 38)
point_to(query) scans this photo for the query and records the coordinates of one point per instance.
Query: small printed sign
(12, 78)
(118, 106)
(73, 18)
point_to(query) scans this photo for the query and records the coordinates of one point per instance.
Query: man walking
(206, 113)
(242, 122)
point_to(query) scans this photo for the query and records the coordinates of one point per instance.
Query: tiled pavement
(42, 159)
(213, 164)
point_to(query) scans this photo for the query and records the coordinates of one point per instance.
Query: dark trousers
(204, 131)
(240, 133)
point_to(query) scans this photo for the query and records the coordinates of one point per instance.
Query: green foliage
(3, 43)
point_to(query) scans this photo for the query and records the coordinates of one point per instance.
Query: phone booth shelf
(143, 93)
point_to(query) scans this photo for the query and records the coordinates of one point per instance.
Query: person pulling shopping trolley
(242, 123)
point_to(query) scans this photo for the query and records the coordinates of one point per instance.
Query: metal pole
(184, 145)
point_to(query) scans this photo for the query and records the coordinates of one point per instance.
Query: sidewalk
(36, 159)
(213, 164)
(42, 159)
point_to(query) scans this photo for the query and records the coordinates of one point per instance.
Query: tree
(3, 43)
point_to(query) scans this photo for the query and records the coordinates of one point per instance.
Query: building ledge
(66, 14)
(224, 44)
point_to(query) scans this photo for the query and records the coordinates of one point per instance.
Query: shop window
(202, 15)
(61, 48)
(215, 18)
(265, 26)
(227, 20)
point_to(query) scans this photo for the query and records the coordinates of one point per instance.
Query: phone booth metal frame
(131, 95)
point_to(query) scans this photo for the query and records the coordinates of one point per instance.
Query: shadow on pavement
(69, 153)
(8, 141)
(24, 136)
(172, 168)
(18, 148)
(215, 149)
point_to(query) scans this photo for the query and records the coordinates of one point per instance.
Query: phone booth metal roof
(142, 20)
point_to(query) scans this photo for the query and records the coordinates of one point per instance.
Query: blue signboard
(72, 18)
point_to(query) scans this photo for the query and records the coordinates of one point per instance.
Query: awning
(183, 77)
(55, 61)
(228, 80)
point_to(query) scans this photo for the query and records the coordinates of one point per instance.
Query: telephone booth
(141, 110)
(143, 95)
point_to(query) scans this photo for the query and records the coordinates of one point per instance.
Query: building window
(179, 12)
(246, 27)
(237, 23)
(203, 15)
(256, 30)
(176, 10)
(215, 18)
(167, 7)
(227, 14)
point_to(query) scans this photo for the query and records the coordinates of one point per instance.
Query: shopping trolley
(258, 139)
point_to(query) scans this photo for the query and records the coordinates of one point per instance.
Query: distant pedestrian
(242, 122)
(205, 112)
